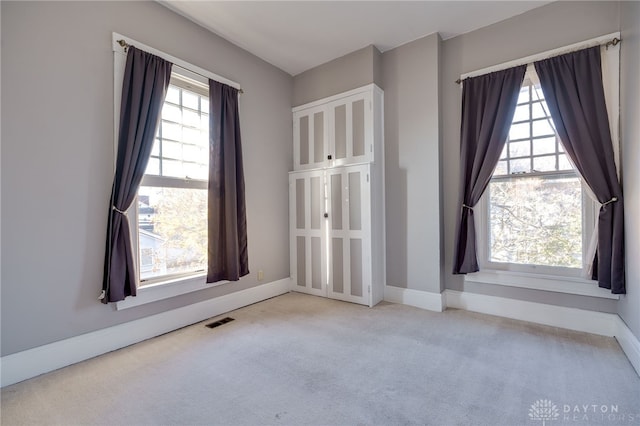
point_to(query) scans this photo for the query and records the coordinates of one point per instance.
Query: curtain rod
(614, 42)
(125, 45)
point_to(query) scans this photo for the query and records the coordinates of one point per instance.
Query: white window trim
(553, 283)
(171, 286)
(166, 289)
(547, 280)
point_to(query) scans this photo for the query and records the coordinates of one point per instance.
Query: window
(172, 198)
(536, 217)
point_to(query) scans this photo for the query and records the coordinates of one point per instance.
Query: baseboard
(629, 344)
(417, 298)
(33, 362)
(600, 323)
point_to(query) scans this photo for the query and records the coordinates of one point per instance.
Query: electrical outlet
(260, 275)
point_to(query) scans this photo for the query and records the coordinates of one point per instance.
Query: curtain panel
(488, 105)
(573, 89)
(146, 78)
(227, 223)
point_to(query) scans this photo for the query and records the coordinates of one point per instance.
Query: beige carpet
(300, 359)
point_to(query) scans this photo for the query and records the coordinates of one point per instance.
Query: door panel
(350, 254)
(351, 139)
(309, 139)
(308, 236)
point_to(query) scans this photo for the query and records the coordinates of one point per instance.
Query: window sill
(167, 289)
(558, 284)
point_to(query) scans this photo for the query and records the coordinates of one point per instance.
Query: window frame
(184, 81)
(482, 215)
(177, 285)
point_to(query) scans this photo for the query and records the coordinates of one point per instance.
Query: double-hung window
(535, 222)
(535, 216)
(172, 198)
(169, 227)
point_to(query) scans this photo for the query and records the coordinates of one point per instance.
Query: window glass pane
(172, 168)
(171, 131)
(190, 118)
(544, 164)
(520, 166)
(563, 163)
(503, 154)
(153, 166)
(190, 100)
(192, 153)
(171, 113)
(544, 146)
(501, 169)
(519, 149)
(537, 110)
(542, 128)
(536, 221)
(522, 113)
(524, 95)
(155, 150)
(519, 131)
(204, 106)
(171, 150)
(184, 136)
(172, 230)
(173, 95)
(190, 135)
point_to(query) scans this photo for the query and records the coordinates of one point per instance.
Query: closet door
(349, 234)
(310, 129)
(351, 127)
(308, 227)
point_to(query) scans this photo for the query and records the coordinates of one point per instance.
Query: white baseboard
(417, 298)
(600, 323)
(629, 344)
(557, 316)
(33, 362)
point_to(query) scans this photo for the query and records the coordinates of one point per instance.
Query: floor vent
(220, 322)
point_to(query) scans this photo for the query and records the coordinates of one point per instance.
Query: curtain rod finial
(613, 42)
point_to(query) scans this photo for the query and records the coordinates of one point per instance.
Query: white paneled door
(308, 232)
(349, 234)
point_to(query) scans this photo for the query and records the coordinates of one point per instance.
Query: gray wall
(57, 159)
(630, 134)
(555, 25)
(345, 73)
(411, 83)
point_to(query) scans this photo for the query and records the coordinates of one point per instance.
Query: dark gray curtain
(146, 78)
(227, 233)
(488, 104)
(572, 85)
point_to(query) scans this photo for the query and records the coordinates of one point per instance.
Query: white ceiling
(298, 35)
